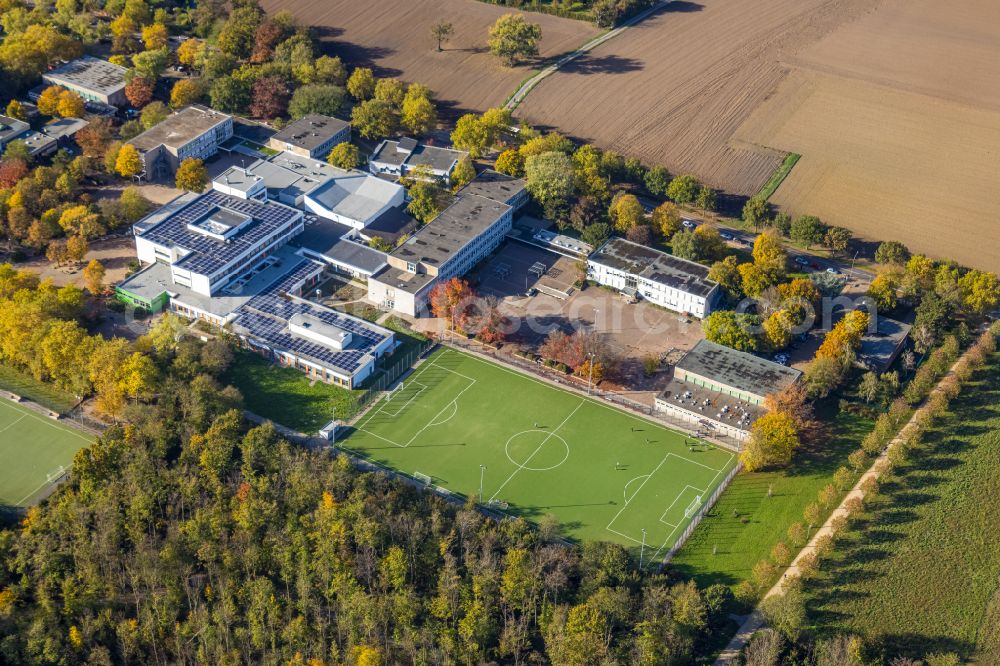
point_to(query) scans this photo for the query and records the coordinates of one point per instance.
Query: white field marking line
(625, 489)
(537, 449)
(372, 414)
(407, 403)
(454, 412)
(14, 422)
(432, 420)
(620, 412)
(23, 499)
(676, 499)
(49, 422)
(629, 500)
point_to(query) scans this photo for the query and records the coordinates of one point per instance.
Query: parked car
(832, 271)
(781, 358)
(689, 224)
(726, 235)
(801, 261)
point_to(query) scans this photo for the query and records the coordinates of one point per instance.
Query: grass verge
(779, 175)
(755, 512)
(286, 395)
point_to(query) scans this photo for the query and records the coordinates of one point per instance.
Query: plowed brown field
(674, 89)
(897, 119)
(393, 36)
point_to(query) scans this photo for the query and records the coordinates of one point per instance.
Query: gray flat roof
(90, 73)
(452, 230)
(737, 369)
(37, 141)
(355, 195)
(495, 186)
(64, 127)
(238, 178)
(629, 257)
(326, 238)
(441, 159)
(11, 128)
(164, 211)
(878, 349)
(180, 128)
(311, 130)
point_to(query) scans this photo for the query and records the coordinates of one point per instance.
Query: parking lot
(632, 331)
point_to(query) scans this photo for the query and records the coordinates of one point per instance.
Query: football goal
(423, 478)
(693, 507)
(56, 474)
(393, 391)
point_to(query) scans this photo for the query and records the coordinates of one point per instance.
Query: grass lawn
(286, 395)
(27, 386)
(33, 448)
(779, 175)
(921, 569)
(603, 473)
(746, 524)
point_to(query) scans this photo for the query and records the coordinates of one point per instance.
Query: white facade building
(660, 278)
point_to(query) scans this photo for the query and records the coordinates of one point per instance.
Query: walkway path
(755, 621)
(526, 87)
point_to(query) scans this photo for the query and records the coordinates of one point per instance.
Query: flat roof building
(660, 278)
(92, 78)
(194, 131)
(312, 135)
(880, 348)
(721, 390)
(398, 158)
(216, 240)
(11, 129)
(733, 372)
(499, 187)
(463, 234)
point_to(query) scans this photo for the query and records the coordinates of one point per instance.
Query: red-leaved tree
(139, 91)
(269, 97)
(12, 171)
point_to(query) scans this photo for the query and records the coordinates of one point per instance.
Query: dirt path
(755, 621)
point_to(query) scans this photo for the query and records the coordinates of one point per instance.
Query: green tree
(657, 181)
(596, 234)
(374, 118)
(237, 35)
(471, 134)
(441, 32)
(345, 156)
(322, 98)
(707, 199)
(513, 38)
(153, 114)
(807, 229)
(837, 239)
(727, 274)
(733, 330)
(782, 223)
(756, 212)
(666, 219)
(424, 200)
(892, 252)
(684, 189)
(150, 64)
(549, 179)
(361, 84)
(463, 174)
(391, 91)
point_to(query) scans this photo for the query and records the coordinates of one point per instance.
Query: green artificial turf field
(605, 474)
(33, 448)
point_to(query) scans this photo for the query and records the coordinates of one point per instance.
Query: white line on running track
(537, 449)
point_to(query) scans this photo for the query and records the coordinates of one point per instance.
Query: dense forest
(187, 537)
